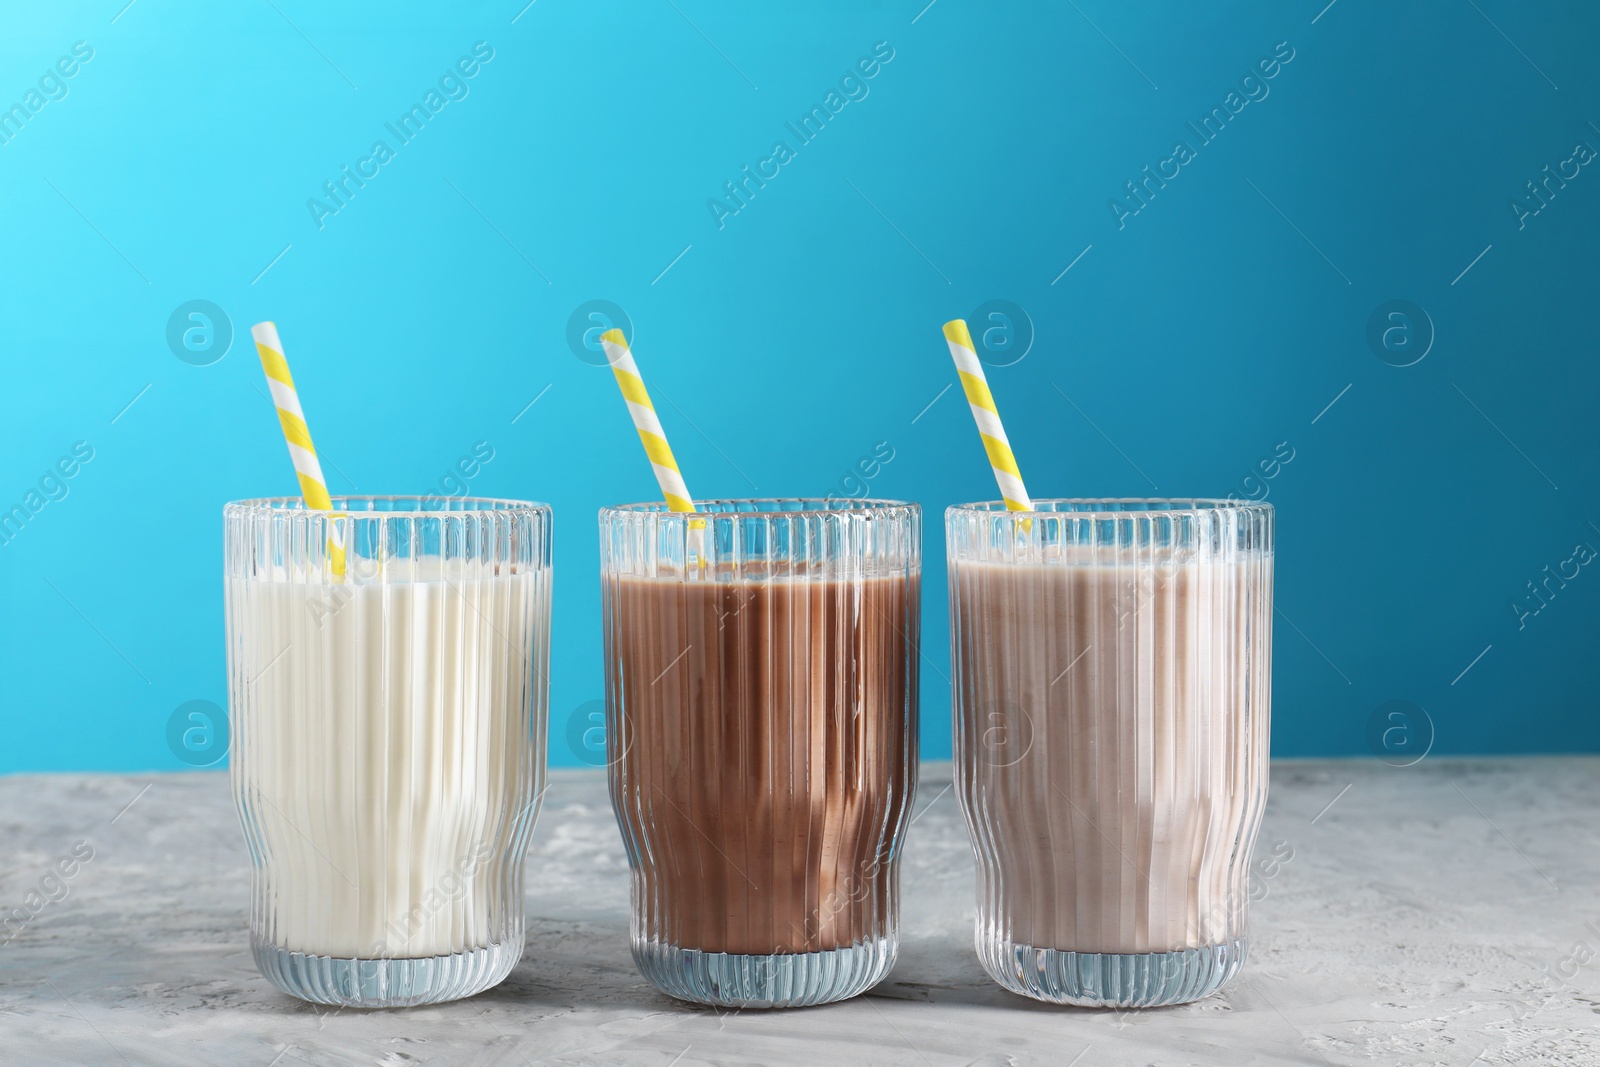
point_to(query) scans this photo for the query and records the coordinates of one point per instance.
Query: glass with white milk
(388, 689)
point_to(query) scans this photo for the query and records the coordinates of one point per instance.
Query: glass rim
(871, 506)
(1155, 507)
(281, 505)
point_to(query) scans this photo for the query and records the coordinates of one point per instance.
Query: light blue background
(1220, 321)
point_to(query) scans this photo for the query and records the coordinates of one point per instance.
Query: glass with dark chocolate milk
(1112, 665)
(761, 728)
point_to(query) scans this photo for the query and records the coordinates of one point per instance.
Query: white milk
(383, 753)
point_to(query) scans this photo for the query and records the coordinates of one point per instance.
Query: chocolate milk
(1112, 746)
(763, 734)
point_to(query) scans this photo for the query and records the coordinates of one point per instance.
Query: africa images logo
(52, 85)
(452, 85)
(1253, 88)
(852, 87)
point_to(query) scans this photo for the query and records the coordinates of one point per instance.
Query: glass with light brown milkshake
(1111, 681)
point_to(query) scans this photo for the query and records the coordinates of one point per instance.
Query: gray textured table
(1440, 914)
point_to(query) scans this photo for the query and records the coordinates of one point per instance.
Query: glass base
(1113, 980)
(402, 983)
(782, 980)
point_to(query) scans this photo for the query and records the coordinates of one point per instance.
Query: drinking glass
(761, 720)
(387, 666)
(1112, 664)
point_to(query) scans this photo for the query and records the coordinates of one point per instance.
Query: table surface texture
(1446, 913)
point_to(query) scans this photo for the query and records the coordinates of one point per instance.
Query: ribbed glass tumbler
(387, 667)
(761, 703)
(1112, 665)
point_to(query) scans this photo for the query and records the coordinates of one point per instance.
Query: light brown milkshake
(1112, 723)
(763, 734)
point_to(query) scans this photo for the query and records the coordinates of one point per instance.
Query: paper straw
(987, 416)
(313, 487)
(673, 490)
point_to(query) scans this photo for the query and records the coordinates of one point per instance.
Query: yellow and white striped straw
(976, 386)
(673, 490)
(313, 487)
